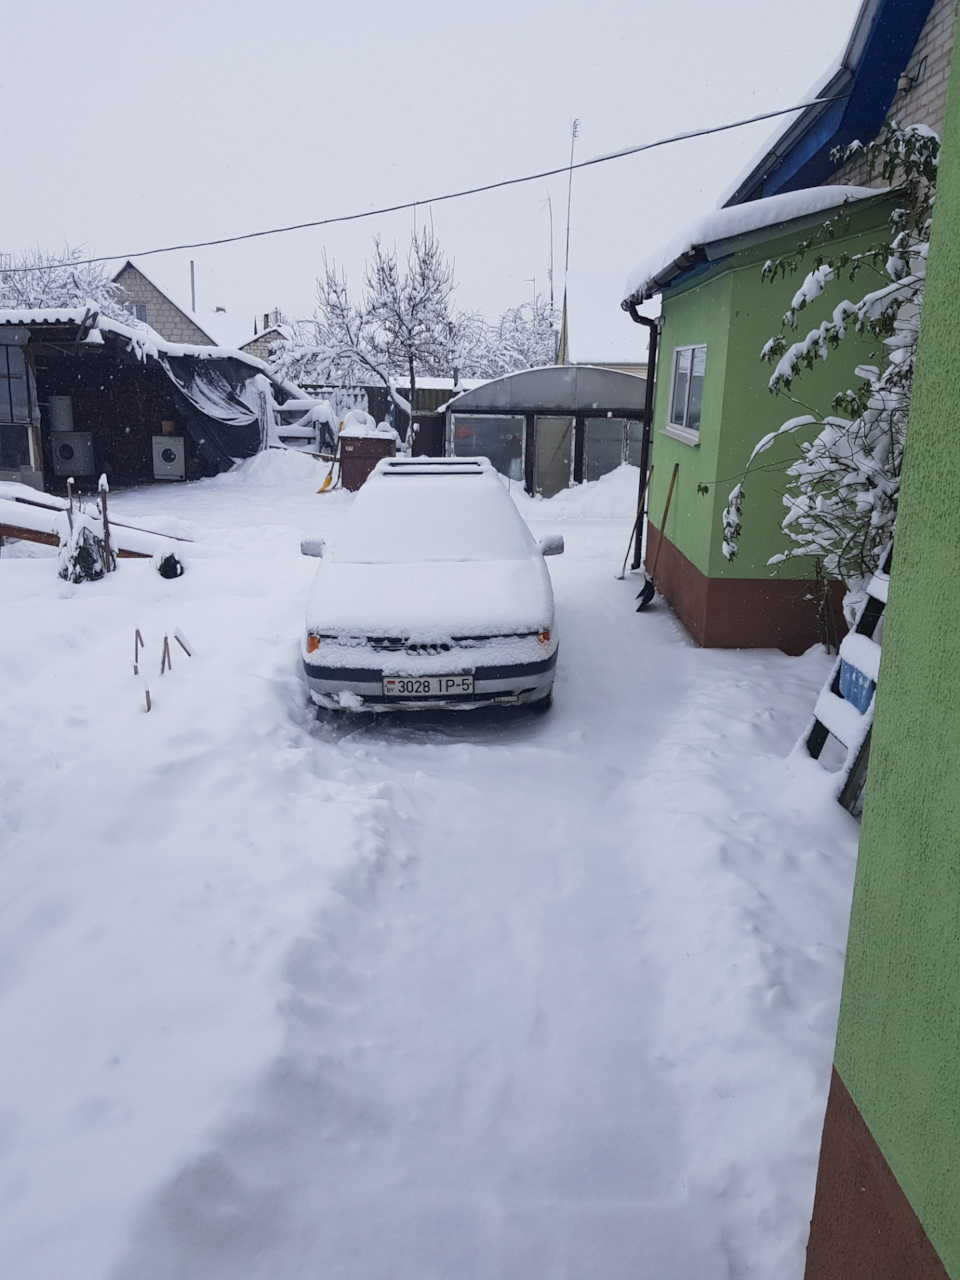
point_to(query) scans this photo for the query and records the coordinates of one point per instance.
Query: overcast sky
(131, 126)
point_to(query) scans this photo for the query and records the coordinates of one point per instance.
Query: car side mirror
(552, 545)
(312, 547)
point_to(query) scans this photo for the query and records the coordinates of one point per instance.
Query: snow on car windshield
(403, 519)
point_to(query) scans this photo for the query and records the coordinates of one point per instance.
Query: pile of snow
(284, 470)
(493, 996)
(612, 497)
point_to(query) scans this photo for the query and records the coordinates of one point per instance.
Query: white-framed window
(139, 310)
(686, 388)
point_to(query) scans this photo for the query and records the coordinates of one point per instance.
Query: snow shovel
(646, 593)
(329, 476)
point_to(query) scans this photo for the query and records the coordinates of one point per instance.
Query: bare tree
(406, 324)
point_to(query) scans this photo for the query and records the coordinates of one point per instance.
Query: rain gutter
(653, 328)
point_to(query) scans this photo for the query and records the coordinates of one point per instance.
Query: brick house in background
(149, 303)
(261, 343)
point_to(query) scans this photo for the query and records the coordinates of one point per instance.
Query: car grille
(417, 648)
(396, 644)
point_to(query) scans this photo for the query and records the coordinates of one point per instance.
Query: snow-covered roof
(597, 331)
(141, 338)
(224, 328)
(695, 242)
(800, 153)
(560, 388)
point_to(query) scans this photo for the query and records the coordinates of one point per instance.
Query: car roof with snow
(433, 509)
(437, 467)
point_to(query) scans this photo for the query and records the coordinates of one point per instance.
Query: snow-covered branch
(37, 280)
(842, 491)
(406, 325)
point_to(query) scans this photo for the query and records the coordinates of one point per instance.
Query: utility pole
(193, 289)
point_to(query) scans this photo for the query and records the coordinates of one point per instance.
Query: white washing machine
(169, 458)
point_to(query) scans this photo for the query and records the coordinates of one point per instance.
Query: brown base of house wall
(739, 613)
(863, 1225)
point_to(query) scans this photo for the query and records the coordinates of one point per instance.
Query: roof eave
(715, 252)
(883, 37)
(752, 186)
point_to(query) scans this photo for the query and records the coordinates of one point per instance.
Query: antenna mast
(549, 203)
(574, 133)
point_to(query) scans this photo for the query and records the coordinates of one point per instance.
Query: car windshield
(403, 519)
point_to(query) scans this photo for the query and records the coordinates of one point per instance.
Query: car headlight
(313, 644)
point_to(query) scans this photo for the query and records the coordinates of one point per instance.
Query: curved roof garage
(551, 427)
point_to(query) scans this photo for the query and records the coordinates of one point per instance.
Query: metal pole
(193, 289)
(574, 132)
(653, 329)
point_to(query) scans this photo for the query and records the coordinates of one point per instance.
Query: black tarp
(228, 396)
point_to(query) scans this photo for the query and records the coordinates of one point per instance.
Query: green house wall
(734, 312)
(898, 1046)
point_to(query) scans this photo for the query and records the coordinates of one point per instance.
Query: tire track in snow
(469, 1085)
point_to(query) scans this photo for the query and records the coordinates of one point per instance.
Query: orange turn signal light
(543, 637)
(313, 644)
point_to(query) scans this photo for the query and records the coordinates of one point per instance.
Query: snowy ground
(505, 998)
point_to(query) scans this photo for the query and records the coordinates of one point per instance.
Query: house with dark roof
(712, 402)
(895, 66)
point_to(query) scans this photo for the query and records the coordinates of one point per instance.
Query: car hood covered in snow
(432, 599)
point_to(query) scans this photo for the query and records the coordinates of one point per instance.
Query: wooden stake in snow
(109, 559)
(166, 662)
(181, 640)
(137, 646)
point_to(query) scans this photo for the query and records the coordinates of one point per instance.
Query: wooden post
(109, 559)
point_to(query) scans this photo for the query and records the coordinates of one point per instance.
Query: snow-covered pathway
(498, 997)
(469, 1084)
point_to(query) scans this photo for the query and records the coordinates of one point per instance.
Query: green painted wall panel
(734, 312)
(699, 316)
(898, 1047)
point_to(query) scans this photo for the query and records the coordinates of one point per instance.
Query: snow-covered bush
(841, 496)
(82, 557)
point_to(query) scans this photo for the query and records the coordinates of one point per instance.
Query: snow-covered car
(435, 594)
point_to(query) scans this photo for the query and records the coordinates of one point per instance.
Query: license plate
(426, 686)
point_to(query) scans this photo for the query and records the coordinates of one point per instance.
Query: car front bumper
(361, 688)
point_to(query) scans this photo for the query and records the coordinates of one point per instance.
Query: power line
(452, 195)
